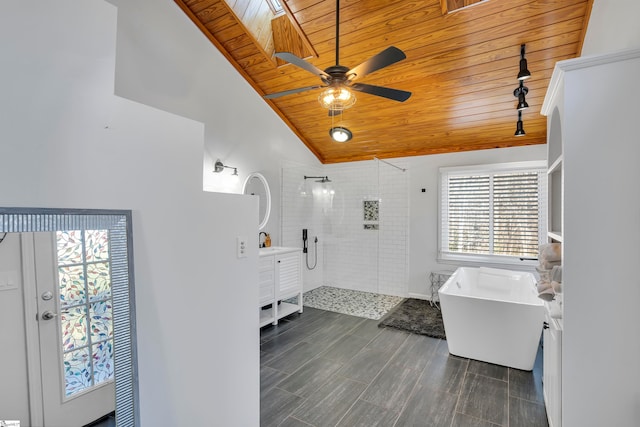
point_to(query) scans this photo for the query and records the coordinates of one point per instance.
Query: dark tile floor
(321, 368)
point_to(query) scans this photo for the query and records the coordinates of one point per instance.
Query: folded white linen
(550, 252)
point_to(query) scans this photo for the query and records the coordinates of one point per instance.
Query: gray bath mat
(416, 316)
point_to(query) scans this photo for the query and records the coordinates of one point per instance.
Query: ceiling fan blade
(389, 56)
(385, 92)
(290, 92)
(299, 62)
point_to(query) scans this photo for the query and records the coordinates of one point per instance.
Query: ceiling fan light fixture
(337, 98)
(340, 134)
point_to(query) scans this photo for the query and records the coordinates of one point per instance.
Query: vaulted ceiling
(462, 59)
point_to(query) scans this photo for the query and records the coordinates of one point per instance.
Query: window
(84, 280)
(492, 213)
(275, 6)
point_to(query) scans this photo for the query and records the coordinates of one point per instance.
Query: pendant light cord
(337, 32)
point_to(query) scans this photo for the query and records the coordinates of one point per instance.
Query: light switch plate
(241, 247)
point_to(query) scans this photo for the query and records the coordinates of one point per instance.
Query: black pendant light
(521, 91)
(519, 127)
(524, 73)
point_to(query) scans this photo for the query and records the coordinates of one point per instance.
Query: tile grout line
(433, 353)
(464, 380)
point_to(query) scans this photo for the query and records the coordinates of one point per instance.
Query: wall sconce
(219, 167)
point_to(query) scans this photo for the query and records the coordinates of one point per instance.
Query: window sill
(494, 261)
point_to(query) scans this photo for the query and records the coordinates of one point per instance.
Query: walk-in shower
(360, 216)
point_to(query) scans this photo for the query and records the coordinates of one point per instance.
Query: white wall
(423, 210)
(68, 142)
(14, 402)
(398, 259)
(165, 61)
(613, 25)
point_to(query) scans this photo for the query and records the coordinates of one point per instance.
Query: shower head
(321, 179)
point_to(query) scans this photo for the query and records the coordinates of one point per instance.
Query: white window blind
(492, 211)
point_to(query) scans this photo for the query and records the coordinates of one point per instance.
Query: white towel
(550, 252)
(556, 273)
(543, 286)
(547, 294)
(548, 265)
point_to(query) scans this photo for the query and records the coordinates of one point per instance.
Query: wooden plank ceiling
(461, 68)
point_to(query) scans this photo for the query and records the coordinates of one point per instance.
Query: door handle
(48, 315)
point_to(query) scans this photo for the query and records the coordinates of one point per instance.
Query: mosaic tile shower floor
(346, 301)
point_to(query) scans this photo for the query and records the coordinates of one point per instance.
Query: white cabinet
(591, 107)
(551, 377)
(280, 283)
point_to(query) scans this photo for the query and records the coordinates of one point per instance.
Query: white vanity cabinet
(280, 283)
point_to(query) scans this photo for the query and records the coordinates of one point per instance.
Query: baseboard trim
(419, 296)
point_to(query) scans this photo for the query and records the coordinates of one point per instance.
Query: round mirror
(256, 185)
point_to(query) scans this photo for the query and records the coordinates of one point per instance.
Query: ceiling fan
(339, 80)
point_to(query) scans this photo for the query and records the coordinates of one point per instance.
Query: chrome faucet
(261, 243)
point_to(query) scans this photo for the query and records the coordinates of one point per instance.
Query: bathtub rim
(445, 286)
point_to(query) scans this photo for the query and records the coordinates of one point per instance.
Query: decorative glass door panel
(86, 327)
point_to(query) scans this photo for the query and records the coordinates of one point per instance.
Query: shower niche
(371, 214)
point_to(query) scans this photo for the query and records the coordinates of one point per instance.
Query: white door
(73, 283)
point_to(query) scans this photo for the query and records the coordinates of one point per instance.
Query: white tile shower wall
(299, 210)
(349, 256)
(368, 260)
(393, 257)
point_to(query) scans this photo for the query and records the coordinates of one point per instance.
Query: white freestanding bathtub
(492, 315)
